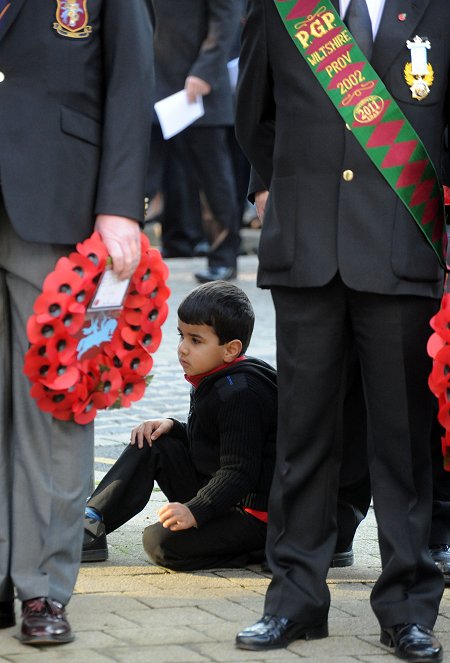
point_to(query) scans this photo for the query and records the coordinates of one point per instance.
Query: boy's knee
(154, 540)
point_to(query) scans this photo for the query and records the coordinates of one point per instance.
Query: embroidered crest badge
(72, 18)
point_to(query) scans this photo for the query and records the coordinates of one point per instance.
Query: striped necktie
(4, 4)
(357, 19)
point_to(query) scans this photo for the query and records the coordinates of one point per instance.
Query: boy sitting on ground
(216, 469)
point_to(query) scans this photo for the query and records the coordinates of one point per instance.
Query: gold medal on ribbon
(419, 74)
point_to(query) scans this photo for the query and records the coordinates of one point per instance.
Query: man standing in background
(76, 83)
(193, 40)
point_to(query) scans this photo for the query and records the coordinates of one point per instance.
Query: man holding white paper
(193, 39)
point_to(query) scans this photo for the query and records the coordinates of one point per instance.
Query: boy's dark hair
(224, 307)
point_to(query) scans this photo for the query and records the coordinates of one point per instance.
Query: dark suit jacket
(194, 38)
(75, 117)
(316, 223)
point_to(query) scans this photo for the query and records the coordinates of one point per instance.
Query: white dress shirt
(375, 8)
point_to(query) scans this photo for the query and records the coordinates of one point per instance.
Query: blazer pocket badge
(72, 19)
(419, 74)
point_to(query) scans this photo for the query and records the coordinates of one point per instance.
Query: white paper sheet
(175, 113)
(233, 71)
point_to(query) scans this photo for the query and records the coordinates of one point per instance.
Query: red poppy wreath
(70, 382)
(439, 350)
(439, 380)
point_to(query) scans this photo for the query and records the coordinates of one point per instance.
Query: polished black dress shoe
(7, 615)
(272, 632)
(200, 250)
(342, 558)
(44, 623)
(216, 274)
(95, 547)
(440, 555)
(413, 643)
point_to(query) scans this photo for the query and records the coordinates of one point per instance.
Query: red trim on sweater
(261, 515)
(195, 380)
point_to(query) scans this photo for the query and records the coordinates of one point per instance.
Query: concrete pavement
(127, 610)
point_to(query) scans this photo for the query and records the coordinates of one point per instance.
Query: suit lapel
(393, 33)
(10, 16)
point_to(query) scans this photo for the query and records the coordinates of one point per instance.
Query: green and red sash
(369, 110)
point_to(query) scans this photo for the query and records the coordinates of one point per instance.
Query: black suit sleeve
(223, 25)
(128, 66)
(255, 110)
(255, 185)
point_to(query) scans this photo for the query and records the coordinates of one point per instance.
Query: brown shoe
(44, 623)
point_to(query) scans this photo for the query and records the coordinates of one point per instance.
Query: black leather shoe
(216, 274)
(413, 643)
(7, 615)
(272, 632)
(200, 250)
(441, 557)
(95, 547)
(342, 558)
(44, 623)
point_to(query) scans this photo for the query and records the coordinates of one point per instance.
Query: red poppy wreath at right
(439, 349)
(439, 380)
(72, 386)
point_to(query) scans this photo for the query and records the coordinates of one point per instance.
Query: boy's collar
(195, 380)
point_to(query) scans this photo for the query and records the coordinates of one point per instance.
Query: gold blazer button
(348, 175)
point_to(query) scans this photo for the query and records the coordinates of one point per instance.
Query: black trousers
(205, 151)
(440, 521)
(314, 326)
(355, 489)
(231, 540)
(355, 492)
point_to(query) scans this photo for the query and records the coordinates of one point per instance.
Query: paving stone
(157, 654)
(116, 583)
(176, 598)
(182, 616)
(63, 654)
(86, 604)
(194, 581)
(328, 648)
(228, 610)
(153, 635)
(227, 652)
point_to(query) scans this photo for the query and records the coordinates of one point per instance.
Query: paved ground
(127, 610)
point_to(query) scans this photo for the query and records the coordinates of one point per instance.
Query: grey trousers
(45, 464)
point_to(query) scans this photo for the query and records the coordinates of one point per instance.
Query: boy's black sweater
(230, 434)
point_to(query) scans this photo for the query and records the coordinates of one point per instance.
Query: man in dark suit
(345, 260)
(193, 39)
(75, 112)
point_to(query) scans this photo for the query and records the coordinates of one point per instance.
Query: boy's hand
(150, 431)
(176, 516)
